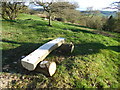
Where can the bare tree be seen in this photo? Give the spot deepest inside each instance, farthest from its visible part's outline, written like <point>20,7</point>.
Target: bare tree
<point>55,7</point>
<point>60,9</point>
<point>10,10</point>
<point>47,8</point>
<point>114,5</point>
<point>117,5</point>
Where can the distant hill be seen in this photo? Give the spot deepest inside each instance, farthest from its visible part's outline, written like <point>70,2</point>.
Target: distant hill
<point>104,13</point>
<point>108,13</point>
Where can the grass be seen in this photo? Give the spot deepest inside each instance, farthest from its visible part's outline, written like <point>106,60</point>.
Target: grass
<point>94,62</point>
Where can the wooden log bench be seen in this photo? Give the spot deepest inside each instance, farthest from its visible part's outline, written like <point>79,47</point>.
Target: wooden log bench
<point>30,62</point>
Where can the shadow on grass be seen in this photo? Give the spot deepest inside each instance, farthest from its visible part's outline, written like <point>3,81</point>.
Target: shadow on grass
<point>88,48</point>
<point>92,48</point>
<point>27,23</point>
<point>114,48</point>
<point>95,31</point>
<point>31,23</point>
<point>80,30</point>
<point>9,20</point>
<point>77,25</point>
<point>36,24</point>
<point>12,56</point>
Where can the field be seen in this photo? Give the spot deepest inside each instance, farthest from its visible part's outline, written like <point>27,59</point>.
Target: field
<point>94,63</point>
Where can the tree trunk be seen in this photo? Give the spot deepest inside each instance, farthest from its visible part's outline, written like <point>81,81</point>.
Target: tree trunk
<point>49,18</point>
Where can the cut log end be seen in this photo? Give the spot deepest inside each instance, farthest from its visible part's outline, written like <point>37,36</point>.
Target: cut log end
<point>28,66</point>
<point>52,68</point>
<point>46,67</point>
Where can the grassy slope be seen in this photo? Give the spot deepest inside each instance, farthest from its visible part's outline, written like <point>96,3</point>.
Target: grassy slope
<point>94,62</point>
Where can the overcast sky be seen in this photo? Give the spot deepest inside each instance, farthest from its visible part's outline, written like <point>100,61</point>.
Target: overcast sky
<point>96,4</point>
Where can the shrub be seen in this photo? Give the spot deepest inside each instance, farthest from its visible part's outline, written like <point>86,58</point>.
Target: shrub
<point>117,23</point>
<point>110,24</point>
<point>95,22</point>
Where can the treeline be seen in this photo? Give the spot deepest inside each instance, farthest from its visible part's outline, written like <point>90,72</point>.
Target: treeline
<point>65,12</point>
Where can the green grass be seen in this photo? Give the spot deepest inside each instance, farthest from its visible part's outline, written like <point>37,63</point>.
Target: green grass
<point>94,62</point>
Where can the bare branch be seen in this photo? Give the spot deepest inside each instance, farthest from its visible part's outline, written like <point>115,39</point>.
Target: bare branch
<point>11,10</point>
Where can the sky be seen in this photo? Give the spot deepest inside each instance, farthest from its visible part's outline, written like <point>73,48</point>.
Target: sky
<point>96,4</point>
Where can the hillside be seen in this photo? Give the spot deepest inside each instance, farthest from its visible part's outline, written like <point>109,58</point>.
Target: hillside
<point>94,62</point>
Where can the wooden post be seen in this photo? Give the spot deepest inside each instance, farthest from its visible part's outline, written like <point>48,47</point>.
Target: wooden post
<point>30,62</point>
